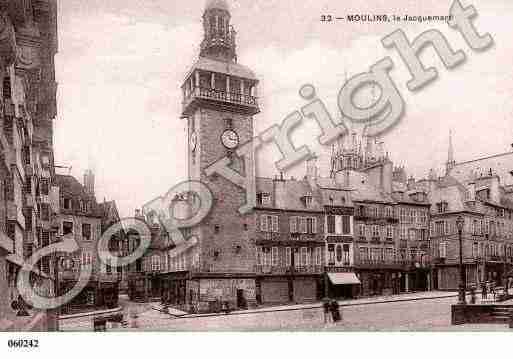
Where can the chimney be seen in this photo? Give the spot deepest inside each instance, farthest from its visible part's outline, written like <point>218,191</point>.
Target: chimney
<point>411,183</point>
<point>89,182</point>
<point>311,168</point>
<point>472,191</point>
<point>279,195</point>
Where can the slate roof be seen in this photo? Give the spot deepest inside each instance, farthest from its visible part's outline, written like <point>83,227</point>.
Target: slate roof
<point>70,187</point>
<point>223,67</point>
<point>295,189</point>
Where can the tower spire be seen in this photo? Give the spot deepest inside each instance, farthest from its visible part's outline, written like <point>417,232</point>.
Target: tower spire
<point>219,40</point>
<point>450,156</point>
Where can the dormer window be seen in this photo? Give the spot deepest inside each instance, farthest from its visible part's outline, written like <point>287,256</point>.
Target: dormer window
<point>67,203</point>
<point>442,207</point>
<point>307,201</point>
<point>263,199</point>
<point>483,194</point>
<point>419,197</point>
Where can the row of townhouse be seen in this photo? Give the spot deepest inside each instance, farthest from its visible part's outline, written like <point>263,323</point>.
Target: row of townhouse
<point>322,236</point>
<point>304,239</point>
<point>356,236</point>
<point>364,229</point>
<point>28,44</point>
<point>486,208</point>
<point>309,238</point>
<point>85,220</point>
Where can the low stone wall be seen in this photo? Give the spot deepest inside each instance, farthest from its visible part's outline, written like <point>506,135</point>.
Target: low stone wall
<point>477,314</point>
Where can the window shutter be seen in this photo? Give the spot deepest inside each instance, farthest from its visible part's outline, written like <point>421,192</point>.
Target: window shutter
<point>314,225</point>
<point>274,256</point>
<point>293,224</point>
<point>263,223</point>
<point>302,225</point>
<point>275,224</point>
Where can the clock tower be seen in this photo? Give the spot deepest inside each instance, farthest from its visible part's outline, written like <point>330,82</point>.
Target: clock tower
<point>219,102</point>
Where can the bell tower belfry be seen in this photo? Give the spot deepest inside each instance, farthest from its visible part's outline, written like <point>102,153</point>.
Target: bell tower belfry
<point>219,41</point>
<point>219,102</point>
<point>219,94</point>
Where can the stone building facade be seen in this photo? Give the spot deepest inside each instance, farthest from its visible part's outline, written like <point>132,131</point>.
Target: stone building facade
<point>478,191</point>
<point>305,238</point>
<point>28,44</point>
<point>289,240</point>
<point>82,218</point>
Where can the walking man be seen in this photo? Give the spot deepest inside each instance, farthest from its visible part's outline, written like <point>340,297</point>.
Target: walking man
<point>483,290</point>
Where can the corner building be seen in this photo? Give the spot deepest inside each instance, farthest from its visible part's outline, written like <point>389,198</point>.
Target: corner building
<point>29,198</point>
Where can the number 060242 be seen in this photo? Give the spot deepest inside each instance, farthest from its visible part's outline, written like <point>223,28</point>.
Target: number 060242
<point>23,343</point>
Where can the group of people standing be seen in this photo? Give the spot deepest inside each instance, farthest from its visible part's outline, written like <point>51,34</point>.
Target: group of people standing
<point>487,288</point>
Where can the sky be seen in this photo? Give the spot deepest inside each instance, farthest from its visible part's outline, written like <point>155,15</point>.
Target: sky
<point>121,63</point>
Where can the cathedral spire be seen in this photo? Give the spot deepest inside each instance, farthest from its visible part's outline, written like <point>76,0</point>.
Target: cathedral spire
<point>450,156</point>
<point>219,39</point>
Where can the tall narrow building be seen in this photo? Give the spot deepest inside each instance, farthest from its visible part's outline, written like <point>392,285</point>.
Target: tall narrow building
<point>219,104</point>
<point>29,201</point>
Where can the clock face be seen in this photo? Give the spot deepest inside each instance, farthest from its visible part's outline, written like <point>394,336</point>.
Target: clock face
<point>230,139</point>
<point>193,141</point>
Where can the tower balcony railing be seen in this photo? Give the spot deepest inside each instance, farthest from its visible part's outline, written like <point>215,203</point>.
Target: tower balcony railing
<point>221,95</point>
<point>246,102</point>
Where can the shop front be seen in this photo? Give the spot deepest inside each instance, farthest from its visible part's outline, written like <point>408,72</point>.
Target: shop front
<point>343,285</point>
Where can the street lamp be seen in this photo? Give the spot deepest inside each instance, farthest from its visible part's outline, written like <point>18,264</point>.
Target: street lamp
<point>460,222</point>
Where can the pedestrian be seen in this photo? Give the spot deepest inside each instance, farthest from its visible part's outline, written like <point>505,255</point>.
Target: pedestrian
<point>484,291</point>
<point>326,309</point>
<point>335,311</point>
<point>492,289</point>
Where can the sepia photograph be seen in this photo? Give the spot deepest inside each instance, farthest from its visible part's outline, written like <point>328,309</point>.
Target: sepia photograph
<point>254,166</point>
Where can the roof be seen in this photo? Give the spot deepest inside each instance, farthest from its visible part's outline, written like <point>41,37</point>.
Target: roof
<point>501,164</point>
<point>336,197</point>
<point>364,192</point>
<point>223,67</point>
<point>106,207</point>
<point>294,191</point>
<point>217,4</point>
<point>109,212</point>
<point>405,197</point>
<point>359,191</point>
<point>70,187</point>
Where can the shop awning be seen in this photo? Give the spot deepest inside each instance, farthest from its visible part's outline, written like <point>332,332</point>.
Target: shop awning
<point>343,278</point>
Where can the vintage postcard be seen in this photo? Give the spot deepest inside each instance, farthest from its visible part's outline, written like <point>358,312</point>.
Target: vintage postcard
<point>255,165</point>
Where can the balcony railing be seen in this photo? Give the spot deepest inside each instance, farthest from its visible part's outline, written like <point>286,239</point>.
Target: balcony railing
<point>311,269</point>
<point>220,95</point>
<point>269,236</point>
<point>303,236</point>
<point>385,263</point>
<point>367,215</point>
